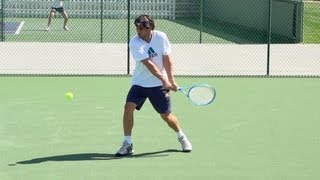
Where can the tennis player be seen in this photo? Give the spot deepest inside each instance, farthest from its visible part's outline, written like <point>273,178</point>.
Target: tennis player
<point>57,6</point>
<point>153,73</point>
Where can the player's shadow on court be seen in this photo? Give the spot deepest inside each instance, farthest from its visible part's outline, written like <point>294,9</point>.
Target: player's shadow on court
<point>95,156</point>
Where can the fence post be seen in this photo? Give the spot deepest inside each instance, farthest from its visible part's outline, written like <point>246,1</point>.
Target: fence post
<point>101,21</point>
<point>201,20</point>
<point>2,21</point>
<point>128,37</point>
<point>269,36</point>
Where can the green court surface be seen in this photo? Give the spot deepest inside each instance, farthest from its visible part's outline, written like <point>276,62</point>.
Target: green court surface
<point>257,128</point>
<point>113,31</point>
<point>179,31</point>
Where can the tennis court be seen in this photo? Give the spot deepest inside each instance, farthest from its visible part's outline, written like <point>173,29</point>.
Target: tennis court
<point>86,25</point>
<point>113,30</point>
<point>12,27</point>
<point>257,128</point>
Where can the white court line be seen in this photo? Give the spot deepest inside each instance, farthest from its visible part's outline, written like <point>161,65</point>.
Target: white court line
<point>19,28</point>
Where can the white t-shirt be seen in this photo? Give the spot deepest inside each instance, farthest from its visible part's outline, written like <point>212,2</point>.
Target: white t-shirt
<point>57,3</point>
<point>140,50</point>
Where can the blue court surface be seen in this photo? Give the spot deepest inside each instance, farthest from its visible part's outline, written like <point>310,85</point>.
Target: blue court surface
<point>12,27</point>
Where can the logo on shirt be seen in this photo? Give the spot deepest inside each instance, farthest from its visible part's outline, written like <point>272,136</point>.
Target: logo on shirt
<point>152,53</point>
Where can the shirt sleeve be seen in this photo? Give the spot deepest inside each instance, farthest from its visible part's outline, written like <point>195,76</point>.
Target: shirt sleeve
<point>139,51</point>
<point>166,45</point>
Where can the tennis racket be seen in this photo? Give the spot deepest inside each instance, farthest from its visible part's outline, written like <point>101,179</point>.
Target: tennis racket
<point>199,94</point>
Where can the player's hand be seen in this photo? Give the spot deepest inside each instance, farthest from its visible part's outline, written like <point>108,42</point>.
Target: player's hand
<point>166,85</point>
<point>174,87</point>
<point>169,86</point>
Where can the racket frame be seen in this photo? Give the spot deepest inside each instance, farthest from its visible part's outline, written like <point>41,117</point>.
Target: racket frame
<point>186,90</point>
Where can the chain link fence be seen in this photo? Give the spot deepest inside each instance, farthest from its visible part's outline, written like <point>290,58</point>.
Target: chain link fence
<point>209,37</point>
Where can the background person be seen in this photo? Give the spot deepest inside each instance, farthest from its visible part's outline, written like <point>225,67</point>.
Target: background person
<point>57,6</point>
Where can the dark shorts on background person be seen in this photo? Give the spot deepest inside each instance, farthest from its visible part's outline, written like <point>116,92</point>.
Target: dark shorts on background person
<point>159,98</point>
<point>58,9</point>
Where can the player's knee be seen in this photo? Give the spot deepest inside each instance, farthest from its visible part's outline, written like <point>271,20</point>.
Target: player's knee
<point>129,107</point>
<point>166,116</point>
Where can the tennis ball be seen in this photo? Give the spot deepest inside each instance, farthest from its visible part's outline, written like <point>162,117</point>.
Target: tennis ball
<point>69,95</point>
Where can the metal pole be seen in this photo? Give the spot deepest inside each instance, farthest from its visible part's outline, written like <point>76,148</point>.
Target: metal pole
<point>101,21</point>
<point>128,38</point>
<point>269,36</point>
<point>201,20</point>
<point>2,21</point>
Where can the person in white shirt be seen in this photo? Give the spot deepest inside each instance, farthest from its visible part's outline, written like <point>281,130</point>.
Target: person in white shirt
<point>152,79</point>
<point>57,6</point>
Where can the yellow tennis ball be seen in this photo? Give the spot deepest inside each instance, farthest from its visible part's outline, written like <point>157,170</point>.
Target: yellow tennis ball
<point>69,95</point>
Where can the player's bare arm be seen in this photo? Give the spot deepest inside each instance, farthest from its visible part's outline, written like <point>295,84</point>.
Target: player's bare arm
<point>156,72</point>
<point>168,66</point>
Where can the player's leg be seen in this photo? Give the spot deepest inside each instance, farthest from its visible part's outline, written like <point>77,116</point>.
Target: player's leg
<point>65,20</point>
<point>127,146</point>
<point>171,120</point>
<point>161,102</point>
<point>135,100</point>
<point>51,14</point>
<point>128,120</point>
<point>174,124</point>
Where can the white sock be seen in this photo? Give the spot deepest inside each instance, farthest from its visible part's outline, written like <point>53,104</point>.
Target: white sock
<point>128,139</point>
<point>180,133</point>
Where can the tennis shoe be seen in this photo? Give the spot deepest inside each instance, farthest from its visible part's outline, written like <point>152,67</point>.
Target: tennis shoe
<point>185,143</point>
<point>126,149</point>
<point>48,28</point>
<point>66,28</point>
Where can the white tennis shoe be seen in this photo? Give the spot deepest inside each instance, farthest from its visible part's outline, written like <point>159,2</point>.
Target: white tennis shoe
<point>185,143</point>
<point>125,149</point>
<point>66,28</point>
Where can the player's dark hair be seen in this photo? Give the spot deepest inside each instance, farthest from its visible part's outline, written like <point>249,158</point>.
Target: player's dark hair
<point>144,21</point>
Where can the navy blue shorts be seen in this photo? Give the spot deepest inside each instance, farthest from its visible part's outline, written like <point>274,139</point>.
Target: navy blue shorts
<point>59,9</point>
<point>159,98</point>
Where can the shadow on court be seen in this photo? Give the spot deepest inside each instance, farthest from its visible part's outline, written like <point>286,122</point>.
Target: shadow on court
<point>95,156</point>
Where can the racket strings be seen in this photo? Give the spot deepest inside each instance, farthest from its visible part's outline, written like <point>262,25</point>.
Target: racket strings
<point>201,95</point>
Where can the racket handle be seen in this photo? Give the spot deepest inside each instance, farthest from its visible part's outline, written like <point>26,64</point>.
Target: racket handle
<point>165,89</point>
